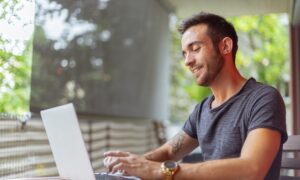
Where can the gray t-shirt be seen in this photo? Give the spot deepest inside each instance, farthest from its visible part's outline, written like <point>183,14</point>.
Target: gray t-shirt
<point>222,131</point>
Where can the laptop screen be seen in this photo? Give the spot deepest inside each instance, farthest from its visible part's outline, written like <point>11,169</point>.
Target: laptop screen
<point>67,145</point>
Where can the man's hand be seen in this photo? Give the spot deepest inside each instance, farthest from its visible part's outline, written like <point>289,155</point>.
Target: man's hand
<point>112,158</point>
<point>131,164</point>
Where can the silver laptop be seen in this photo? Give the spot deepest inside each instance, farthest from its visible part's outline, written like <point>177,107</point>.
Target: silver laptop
<point>68,148</point>
<point>67,145</point>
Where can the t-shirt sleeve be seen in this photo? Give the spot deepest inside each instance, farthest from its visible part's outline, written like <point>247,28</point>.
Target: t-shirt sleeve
<point>268,111</point>
<point>190,126</point>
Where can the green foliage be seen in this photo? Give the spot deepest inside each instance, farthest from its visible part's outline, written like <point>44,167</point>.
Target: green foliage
<point>262,54</point>
<point>14,66</point>
<point>15,81</point>
<point>264,48</point>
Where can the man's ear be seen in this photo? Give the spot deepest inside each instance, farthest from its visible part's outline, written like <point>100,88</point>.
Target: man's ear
<point>226,45</point>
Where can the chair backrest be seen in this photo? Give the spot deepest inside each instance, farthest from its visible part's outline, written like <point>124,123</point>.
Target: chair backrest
<point>292,145</point>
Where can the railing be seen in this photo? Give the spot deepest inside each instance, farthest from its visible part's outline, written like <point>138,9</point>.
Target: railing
<point>25,151</point>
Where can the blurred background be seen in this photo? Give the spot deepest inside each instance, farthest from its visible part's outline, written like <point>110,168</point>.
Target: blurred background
<point>120,63</point>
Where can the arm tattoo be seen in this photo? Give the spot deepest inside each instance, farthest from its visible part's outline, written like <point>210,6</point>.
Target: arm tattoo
<point>177,142</point>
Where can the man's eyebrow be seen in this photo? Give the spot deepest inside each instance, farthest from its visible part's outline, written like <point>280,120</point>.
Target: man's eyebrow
<point>195,42</point>
<point>191,44</point>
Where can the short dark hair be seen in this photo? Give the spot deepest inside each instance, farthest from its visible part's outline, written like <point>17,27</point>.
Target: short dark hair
<point>217,28</point>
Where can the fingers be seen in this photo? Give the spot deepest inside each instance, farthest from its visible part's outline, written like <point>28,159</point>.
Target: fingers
<point>112,158</point>
<point>118,167</point>
<point>131,164</point>
<point>118,161</point>
<point>109,162</point>
<point>116,153</point>
<point>123,167</point>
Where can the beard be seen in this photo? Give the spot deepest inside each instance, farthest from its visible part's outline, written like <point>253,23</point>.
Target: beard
<point>213,68</point>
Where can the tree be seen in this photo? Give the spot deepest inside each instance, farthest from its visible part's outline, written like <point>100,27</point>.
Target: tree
<point>264,48</point>
<point>15,61</point>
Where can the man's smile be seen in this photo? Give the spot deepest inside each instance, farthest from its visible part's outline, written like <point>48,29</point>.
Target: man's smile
<point>196,70</point>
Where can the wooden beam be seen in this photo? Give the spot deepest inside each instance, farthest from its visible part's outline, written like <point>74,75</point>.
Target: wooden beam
<point>295,77</point>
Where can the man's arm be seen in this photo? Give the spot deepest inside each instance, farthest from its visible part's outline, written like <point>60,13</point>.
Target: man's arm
<point>257,155</point>
<point>175,149</point>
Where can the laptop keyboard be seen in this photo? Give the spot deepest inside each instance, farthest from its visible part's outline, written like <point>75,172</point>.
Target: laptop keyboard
<point>107,176</point>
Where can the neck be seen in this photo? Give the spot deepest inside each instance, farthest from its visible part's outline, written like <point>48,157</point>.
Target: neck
<point>228,82</point>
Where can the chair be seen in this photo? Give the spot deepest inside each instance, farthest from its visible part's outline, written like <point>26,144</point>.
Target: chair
<point>292,145</point>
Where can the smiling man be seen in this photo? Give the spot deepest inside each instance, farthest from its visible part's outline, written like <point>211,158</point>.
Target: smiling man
<point>240,127</point>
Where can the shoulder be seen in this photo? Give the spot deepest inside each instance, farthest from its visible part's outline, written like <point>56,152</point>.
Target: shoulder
<point>198,108</point>
<point>261,99</point>
<point>266,109</point>
<point>204,102</point>
<point>258,91</point>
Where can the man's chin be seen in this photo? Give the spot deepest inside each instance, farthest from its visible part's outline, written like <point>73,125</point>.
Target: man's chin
<point>202,83</point>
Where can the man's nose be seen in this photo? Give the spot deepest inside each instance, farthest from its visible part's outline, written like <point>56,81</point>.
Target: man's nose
<point>189,59</point>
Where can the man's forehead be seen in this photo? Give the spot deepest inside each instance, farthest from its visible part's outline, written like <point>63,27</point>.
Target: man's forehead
<point>194,33</point>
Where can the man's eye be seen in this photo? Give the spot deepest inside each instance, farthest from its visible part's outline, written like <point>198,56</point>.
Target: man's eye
<point>197,49</point>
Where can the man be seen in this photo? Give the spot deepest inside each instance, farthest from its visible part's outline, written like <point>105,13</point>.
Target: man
<point>240,127</point>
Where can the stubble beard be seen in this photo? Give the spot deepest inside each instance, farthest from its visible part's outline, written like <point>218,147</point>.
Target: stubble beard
<point>212,71</point>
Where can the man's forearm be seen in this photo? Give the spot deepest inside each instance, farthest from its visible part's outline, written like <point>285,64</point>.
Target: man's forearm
<point>159,155</point>
<point>257,156</point>
<point>235,168</point>
<point>177,147</point>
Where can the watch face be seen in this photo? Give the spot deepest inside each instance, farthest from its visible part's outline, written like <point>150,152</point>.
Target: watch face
<point>170,164</point>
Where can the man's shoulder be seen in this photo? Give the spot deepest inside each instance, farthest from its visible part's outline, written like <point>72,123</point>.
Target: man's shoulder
<point>257,89</point>
<point>203,102</point>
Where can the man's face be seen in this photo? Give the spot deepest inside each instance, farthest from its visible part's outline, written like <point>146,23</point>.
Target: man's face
<point>203,60</point>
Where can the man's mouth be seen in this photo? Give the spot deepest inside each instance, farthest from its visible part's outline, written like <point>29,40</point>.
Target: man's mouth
<point>196,70</point>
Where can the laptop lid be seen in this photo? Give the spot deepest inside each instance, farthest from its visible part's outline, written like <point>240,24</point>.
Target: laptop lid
<point>66,142</point>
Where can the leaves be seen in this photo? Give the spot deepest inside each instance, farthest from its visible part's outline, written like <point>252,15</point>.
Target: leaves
<point>268,52</point>
<point>15,66</point>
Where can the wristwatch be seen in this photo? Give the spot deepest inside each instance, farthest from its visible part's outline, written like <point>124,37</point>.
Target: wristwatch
<point>168,169</point>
